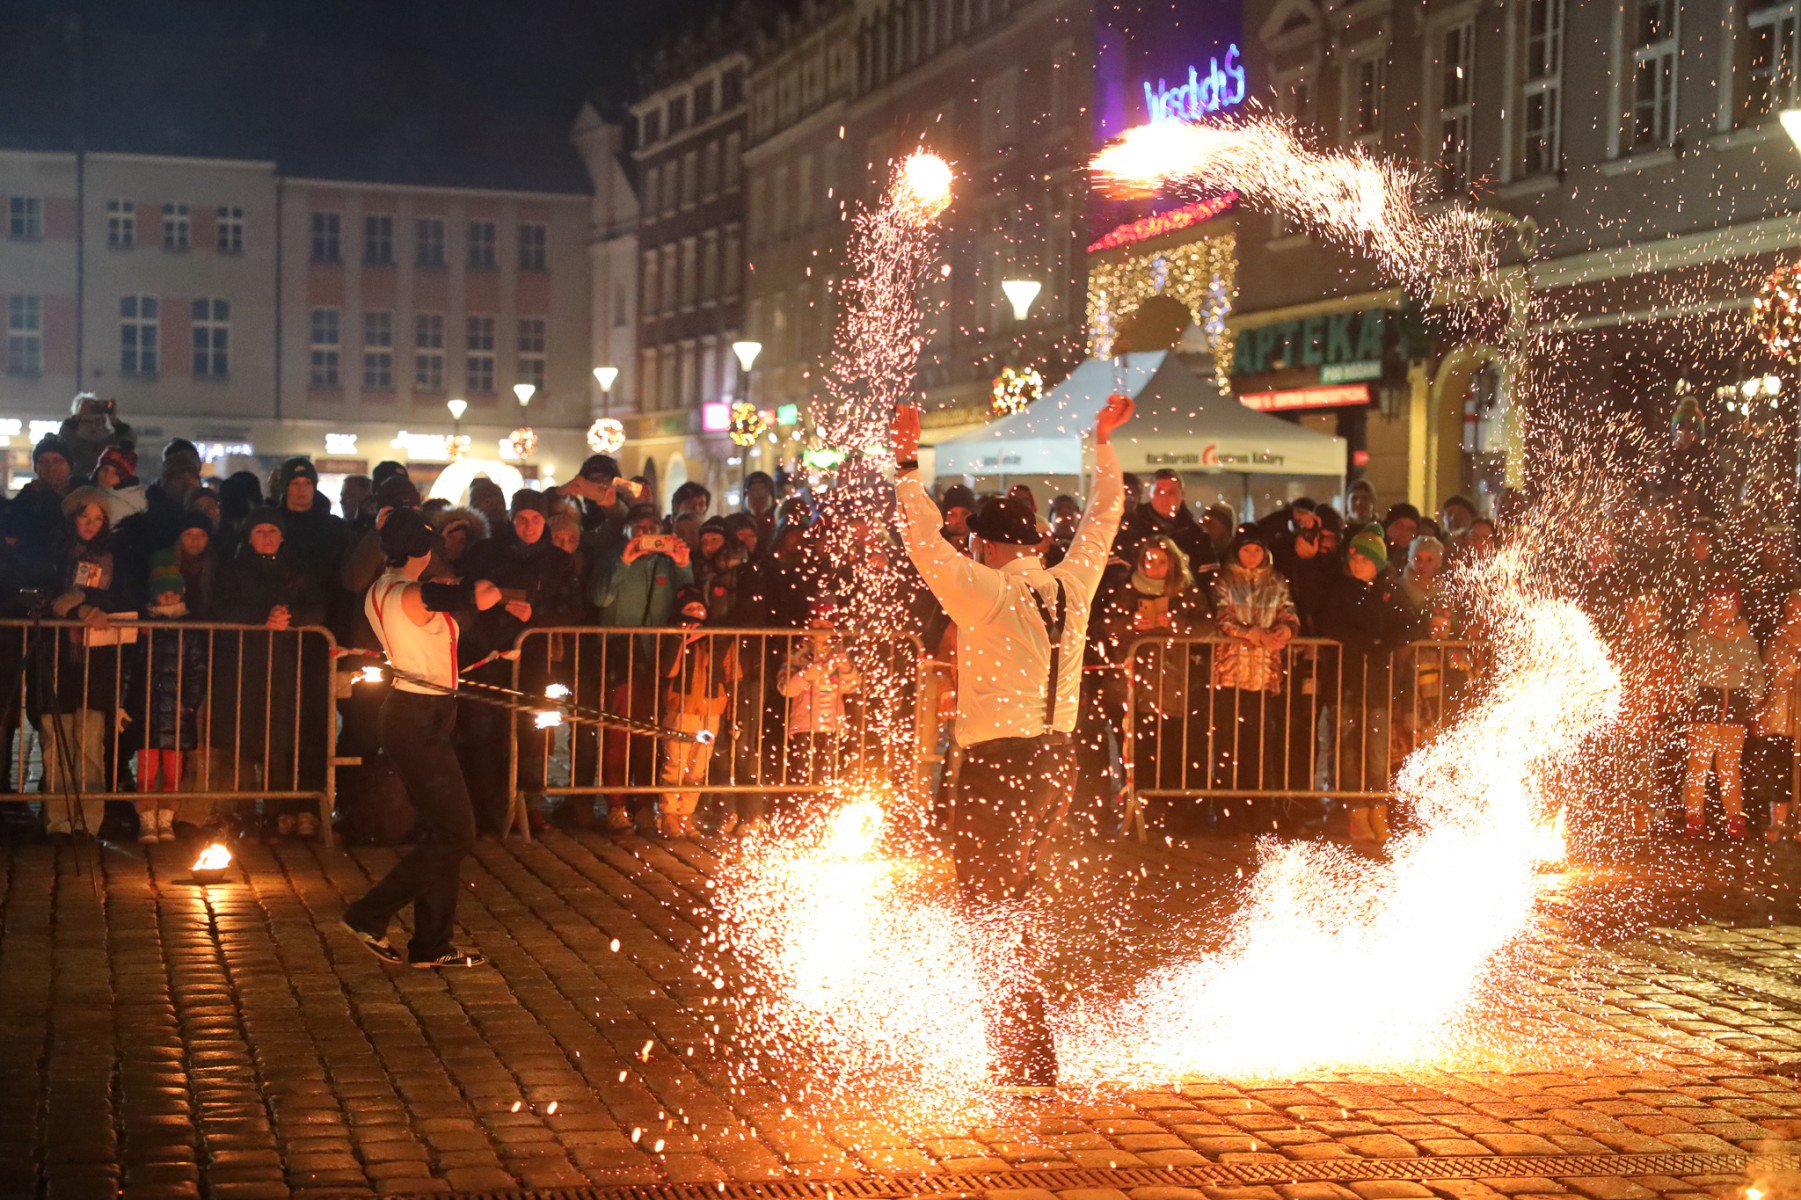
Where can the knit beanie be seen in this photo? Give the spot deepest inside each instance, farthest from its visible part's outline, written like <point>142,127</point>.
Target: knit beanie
<point>1370,543</point>
<point>528,500</point>
<point>165,576</point>
<point>958,496</point>
<point>52,443</point>
<point>120,459</point>
<point>298,467</point>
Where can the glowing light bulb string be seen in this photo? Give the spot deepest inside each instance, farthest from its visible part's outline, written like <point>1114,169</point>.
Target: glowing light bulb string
<point>524,702</point>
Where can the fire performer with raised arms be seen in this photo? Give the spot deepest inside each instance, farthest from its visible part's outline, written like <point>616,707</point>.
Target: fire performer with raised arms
<point>1020,632</point>
<point>418,634</point>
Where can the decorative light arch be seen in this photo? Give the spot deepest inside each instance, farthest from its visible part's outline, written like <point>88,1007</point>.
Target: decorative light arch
<point>455,479</point>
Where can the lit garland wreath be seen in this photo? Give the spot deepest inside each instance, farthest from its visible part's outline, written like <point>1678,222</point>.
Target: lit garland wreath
<point>1776,313</point>
<point>606,435</point>
<point>748,425</point>
<point>1013,390</point>
<point>523,441</point>
<point>458,444</point>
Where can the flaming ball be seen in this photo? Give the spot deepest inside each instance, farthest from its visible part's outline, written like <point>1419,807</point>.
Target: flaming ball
<point>922,187</point>
<point>1776,313</point>
<point>213,864</point>
<point>606,436</point>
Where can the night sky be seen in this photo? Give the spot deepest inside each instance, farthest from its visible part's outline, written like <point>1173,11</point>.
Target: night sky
<point>477,92</point>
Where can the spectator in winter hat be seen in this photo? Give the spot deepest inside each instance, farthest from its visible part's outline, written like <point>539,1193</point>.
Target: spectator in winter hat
<point>315,538</point>
<point>958,506</point>
<point>117,475</point>
<point>93,425</point>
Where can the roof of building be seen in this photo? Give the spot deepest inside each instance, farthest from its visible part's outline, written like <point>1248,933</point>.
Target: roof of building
<point>390,112</point>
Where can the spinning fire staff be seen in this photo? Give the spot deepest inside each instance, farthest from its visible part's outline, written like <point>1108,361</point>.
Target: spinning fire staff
<point>413,622</point>
<point>1020,633</point>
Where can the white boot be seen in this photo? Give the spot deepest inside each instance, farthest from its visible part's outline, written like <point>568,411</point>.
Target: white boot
<point>165,824</point>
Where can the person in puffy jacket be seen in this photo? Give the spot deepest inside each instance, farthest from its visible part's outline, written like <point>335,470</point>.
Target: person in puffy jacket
<point>166,695</point>
<point>1256,618</point>
<point>814,681</point>
<point>697,681</point>
<point>1725,678</point>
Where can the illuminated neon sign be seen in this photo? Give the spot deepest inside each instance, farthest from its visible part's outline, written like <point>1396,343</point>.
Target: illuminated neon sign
<point>1223,86</point>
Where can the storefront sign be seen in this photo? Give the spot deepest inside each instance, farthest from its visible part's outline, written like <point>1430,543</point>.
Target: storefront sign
<point>340,443</point>
<point>1325,340</point>
<point>1339,396</point>
<point>787,414</point>
<point>1354,372</point>
<point>434,447</point>
<point>715,417</point>
<point>1221,86</point>
<point>341,466</point>
<point>1210,458</point>
<point>212,452</point>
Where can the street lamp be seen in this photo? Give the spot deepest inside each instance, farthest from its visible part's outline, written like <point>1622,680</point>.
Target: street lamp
<point>457,408</point>
<point>525,392</point>
<point>1791,123</point>
<point>1020,294</point>
<point>605,435</point>
<point>605,377</point>
<point>747,352</point>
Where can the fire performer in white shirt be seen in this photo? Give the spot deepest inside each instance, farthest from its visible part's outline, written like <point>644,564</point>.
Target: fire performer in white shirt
<point>1020,632</point>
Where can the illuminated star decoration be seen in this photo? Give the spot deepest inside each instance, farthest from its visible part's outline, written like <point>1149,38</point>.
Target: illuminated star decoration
<point>1776,313</point>
<point>606,436</point>
<point>748,425</point>
<point>1013,390</point>
<point>523,441</point>
<point>457,445</point>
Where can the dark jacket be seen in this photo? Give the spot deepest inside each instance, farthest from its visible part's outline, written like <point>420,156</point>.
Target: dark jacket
<point>255,673</point>
<point>168,687</point>
<point>1182,529</point>
<point>1369,623</point>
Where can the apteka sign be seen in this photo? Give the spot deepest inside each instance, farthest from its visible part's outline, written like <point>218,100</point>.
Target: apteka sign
<point>1223,86</point>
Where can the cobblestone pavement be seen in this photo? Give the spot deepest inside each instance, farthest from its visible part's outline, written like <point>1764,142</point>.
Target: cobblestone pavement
<point>161,1039</point>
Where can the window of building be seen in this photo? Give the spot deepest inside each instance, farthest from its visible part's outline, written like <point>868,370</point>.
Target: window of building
<point>689,271</point>
<point>1651,112</point>
<point>177,229</point>
<point>1456,64</point>
<point>688,386</point>
<point>653,291</point>
<point>678,115</point>
<point>327,338</point>
<point>1365,78</point>
<point>534,247</point>
<point>671,280</point>
<point>647,374</point>
<point>689,176</point>
<point>703,101</point>
<point>121,224</point>
<point>378,350</point>
<point>428,241</point>
<point>25,335</point>
<point>650,128</point>
<point>732,261</point>
<point>1541,89</point>
<point>531,351</point>
<point>212,338</point>
<point>428,352</point>
<point>479,363</point>
<point>733,165</point>
<point>732,90</point>
<point>231,229</point>
<point>139,319</point>
<point>378,241</point>
<point>709,170</point>
<point>709,268</point>
<point>24,218</point>
<point>326,229</point>
<point>481,245</point>
<point>1770,41</point>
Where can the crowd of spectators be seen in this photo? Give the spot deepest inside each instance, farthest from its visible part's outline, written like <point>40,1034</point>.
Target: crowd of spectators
<point>1295,661</point>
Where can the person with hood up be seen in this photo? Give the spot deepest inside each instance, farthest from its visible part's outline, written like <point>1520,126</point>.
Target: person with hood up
<point>257,717</point>
<point>1725,677</point>
<point>1256,615</point>
<point>77,697</point>
<point>1362,614</point>
<point>459,531</point>
<point>116,474</point>
<point>1166,515</point>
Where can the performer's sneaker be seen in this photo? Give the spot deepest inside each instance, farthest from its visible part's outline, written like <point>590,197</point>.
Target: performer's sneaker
<point>378,946</point>
<point>452,958</point>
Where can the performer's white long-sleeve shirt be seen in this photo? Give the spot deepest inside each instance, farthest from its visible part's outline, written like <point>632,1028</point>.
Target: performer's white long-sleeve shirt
<point>1003,655</point>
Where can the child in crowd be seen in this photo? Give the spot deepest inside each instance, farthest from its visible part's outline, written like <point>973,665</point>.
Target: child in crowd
<point>171,688</point>
<point>1725,677</point>
<point>696,685</point>
<point>815,680</point>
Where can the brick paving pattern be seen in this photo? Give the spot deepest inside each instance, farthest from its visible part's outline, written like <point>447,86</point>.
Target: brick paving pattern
<point>163,1040</point>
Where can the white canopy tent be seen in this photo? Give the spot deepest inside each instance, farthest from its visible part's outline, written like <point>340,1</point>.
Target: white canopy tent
<point>1182,423</point>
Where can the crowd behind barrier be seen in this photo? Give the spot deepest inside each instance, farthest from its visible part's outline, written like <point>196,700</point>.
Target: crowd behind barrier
<point>186,644</point>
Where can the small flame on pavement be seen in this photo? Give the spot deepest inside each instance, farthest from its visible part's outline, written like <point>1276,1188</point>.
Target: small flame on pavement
<point>216,857</point>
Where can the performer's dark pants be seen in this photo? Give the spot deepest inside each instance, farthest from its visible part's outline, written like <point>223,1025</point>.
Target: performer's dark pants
<point>416,737</point>
<point>1008,806</point>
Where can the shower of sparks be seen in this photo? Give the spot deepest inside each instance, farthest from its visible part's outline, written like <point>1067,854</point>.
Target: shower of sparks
<point>1399,951</point>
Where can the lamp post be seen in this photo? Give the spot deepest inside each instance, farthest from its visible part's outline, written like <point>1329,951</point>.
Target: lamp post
<point>1020,294</point>
<point>525,392</point>
<point>605,435</point>
<point>746,352</point>
<point>457,408</point>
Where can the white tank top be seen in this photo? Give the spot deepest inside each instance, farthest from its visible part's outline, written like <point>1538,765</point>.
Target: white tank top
<point>428,651</point>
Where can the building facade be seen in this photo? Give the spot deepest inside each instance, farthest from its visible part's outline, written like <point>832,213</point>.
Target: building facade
<point>267,316</point>
<point>689,154</point>
<point>1634,152</point>
<point>844,88</point>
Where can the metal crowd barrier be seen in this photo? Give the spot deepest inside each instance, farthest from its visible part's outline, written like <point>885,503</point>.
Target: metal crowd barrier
<point>793,712</point>
<point>1211,718</point>
<point>238,713</point>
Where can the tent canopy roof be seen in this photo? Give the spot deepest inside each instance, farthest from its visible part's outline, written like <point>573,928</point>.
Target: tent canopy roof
<point>1182,423</point>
